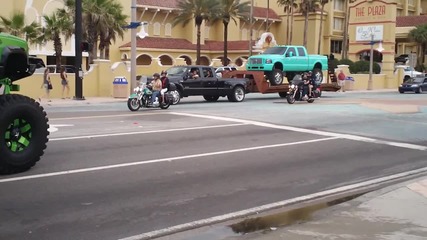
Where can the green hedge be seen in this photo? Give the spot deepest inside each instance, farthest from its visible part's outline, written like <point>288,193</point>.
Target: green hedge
<point>363,67</point>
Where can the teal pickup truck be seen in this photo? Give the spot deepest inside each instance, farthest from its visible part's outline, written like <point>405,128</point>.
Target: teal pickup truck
<point>287,61</point>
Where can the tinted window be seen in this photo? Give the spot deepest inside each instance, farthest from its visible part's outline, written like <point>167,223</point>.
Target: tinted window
<point>301,52</point>
<point>176,70</point>
<point>415,80</point>
<point>275,50</point>
<point>292,50</point>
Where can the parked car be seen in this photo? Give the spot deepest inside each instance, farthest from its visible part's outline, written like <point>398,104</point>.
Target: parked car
<point>416,84</point>
<point>403,58</point>
<point>52,69</point>
<point>410,72</point>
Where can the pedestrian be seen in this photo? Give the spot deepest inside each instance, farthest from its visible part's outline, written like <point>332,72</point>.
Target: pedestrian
<point>341,81</point>
<point>64,82</point>
<point>46,85</point>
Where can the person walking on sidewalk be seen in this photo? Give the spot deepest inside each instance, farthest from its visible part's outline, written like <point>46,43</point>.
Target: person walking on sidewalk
<point>341,81</point>
<point>64,82</point>
<point>46,85</point>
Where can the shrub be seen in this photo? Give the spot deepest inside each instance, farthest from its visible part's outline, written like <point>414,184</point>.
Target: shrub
<point>363,67</point>
<point>334,63</point>
<point>346,62</point>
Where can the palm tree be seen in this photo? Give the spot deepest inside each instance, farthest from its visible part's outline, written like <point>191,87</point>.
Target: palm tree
<point>419,35</point>
<point>289,6</point>
<point>307,6</point>
<point>58,24</point>
<point>231,10</point>
<point>322,3</point>
<point>15,25</point>
<point>114,27</point>
<point>199,10</point>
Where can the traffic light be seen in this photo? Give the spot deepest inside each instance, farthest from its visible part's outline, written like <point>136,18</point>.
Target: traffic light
<point>85,46</point>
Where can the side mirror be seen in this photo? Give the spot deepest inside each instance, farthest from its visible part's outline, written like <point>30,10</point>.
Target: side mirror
<point>287,55</point>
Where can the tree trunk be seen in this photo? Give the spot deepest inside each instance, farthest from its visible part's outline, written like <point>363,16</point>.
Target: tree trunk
<point>320,30</point>
<point>344,54</point>
<point>292,22</point>
<point>287,25</point>
<point>198,46</point>
<point>305,27</point>
<point>225,59</point>
<point>58,52</point>
<point>92,40</point>
<point>107,51</point>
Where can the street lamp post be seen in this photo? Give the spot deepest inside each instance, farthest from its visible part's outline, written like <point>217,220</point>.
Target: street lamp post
<point>133,47</point>
<point>78,52</point>
<point>251,26</point>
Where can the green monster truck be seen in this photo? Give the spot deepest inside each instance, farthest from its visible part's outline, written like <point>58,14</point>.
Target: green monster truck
<point>23,122</point>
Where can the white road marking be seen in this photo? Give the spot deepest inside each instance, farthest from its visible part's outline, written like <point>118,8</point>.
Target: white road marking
<point>54,127</point>
<point>169,159</point>
<point>144,132</point>
<point>310,131</point>
<point>263,208</point>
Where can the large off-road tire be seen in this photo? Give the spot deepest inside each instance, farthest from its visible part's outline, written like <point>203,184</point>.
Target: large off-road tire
<point>283,94</point>
<point>238,94</point>
<point>133,104</point>
<point>211,98</point>
<point>275,77</point>
<point>23,133</point>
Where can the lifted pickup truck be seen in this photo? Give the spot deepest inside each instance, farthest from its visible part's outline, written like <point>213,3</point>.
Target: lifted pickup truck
<point>206,83</point>
<point>23,122</point>
<point>279,61</point>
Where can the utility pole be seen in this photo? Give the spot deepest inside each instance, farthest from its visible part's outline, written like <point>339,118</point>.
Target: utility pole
<point>267,26</point>
<point>78,32</point>
<point>251,27</point>
<point>133,47</point>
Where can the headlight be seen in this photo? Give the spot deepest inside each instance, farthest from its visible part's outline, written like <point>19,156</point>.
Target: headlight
<point>137,89</point>
<point>268,61</point>
<point>292,86</point>
<point>400,85</point>
<point>414,85</point>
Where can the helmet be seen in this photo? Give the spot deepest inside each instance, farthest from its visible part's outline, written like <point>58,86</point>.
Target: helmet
<point>156,75</point>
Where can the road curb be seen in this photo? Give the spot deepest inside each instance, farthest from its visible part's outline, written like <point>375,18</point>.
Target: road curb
<point>296,207</point>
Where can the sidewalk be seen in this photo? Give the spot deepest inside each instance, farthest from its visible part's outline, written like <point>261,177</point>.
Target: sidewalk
<point>396,212</point>
<point>86,101</point>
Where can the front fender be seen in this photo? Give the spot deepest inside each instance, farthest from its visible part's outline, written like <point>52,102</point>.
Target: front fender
<point>133,95</point>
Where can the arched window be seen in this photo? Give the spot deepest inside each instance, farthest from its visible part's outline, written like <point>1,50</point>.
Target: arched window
<point>166,60</point>
<point>207,31</point>
<point>168,29</point>
<point>144,59</point>
<point>204,61</point>
<point>187,59</point>
<point>244,34</point>
<point>156,29</point>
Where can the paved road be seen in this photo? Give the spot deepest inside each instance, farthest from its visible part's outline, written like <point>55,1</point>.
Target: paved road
<point>108,173</point>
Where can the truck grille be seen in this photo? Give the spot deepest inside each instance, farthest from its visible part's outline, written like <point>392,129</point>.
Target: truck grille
<point>256,60</point>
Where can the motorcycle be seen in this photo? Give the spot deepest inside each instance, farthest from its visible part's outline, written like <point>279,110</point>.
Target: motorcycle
<point>141,98</point>
<point>295,93</point>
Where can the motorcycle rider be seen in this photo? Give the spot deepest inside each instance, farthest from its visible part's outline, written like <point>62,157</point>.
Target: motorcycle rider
<point>165,83</point>
<point>156,84</point>
<point>306,85</point>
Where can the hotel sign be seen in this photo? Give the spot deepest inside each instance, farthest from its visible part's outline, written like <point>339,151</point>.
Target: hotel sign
<point>363,33</point>
<point>371,12</point>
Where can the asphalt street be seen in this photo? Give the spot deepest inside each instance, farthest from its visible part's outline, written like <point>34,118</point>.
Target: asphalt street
<point>109,173</point>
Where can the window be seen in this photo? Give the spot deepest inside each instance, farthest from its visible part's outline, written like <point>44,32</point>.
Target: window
<point>339,5</point>
<point>336,46</point>
<point>207,30</point>
<point>156,29</point>
<point>291,50</point>
<point>301,52</point>
<point>168,29</point>
<point>338,24</point>
<point>244,34</point>
<point>411,2</point>
<point>399,12</point>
